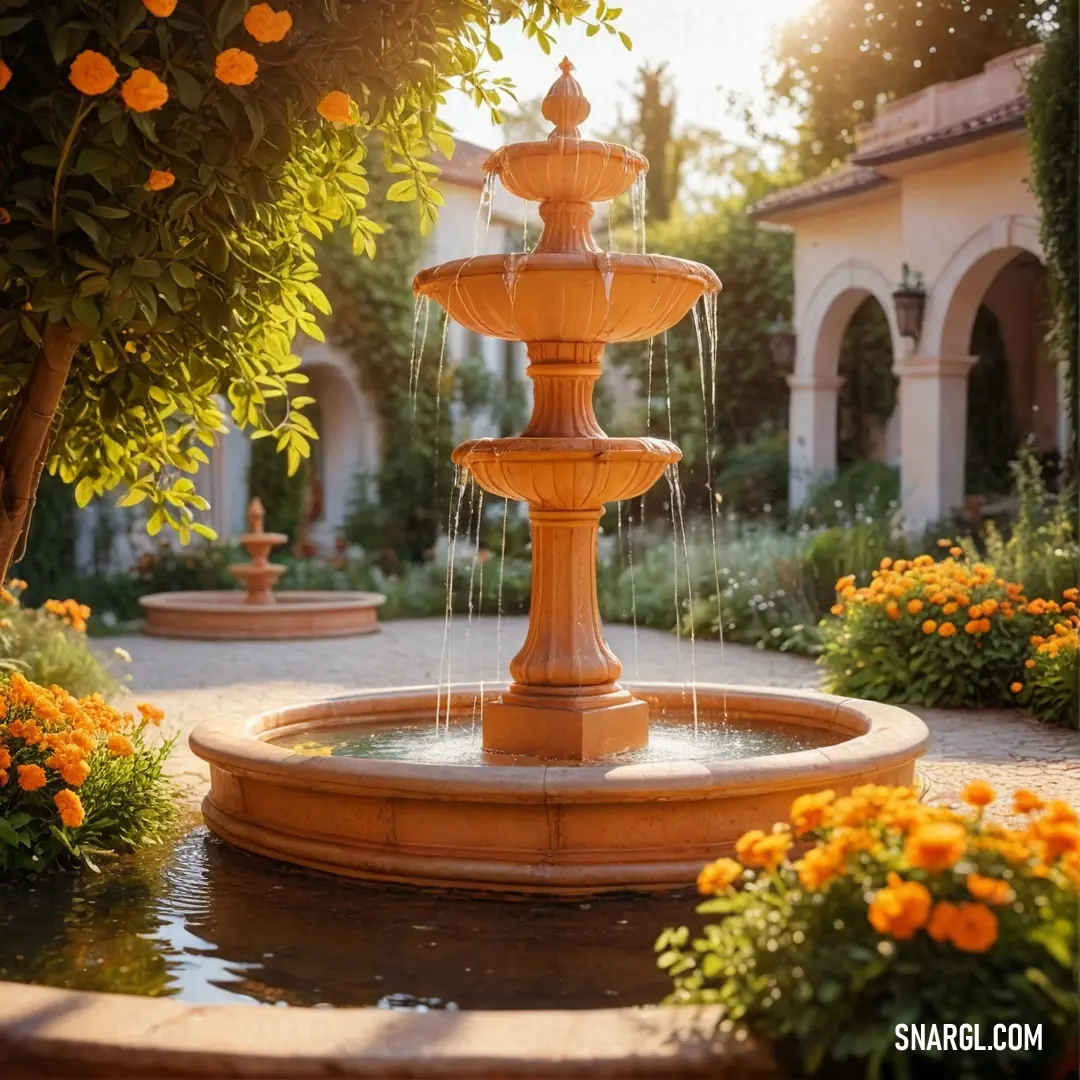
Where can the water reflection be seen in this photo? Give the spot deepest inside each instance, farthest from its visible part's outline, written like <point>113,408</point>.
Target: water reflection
<point>204,923</point>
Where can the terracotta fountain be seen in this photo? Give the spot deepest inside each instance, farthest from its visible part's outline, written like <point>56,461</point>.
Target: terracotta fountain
<point>560,791</point>
<point>258,613</point>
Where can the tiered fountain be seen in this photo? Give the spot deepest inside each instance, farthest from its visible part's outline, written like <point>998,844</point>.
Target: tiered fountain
<point>258,613</point>
<point>560,791</point>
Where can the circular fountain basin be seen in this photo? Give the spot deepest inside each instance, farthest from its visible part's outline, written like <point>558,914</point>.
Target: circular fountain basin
<point>436,811</point>
<point>222,615</point>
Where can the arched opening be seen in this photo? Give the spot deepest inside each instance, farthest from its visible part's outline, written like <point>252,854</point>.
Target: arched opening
<point>1013,387</point>
<point>868,388</point>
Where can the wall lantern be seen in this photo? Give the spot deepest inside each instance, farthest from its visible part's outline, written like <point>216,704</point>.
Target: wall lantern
<point>909,299</point>
<point>782,343</point>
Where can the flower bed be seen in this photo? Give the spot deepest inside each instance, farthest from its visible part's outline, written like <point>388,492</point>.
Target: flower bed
<point>893,913</point>
<point>78,778</point>
<point>939,633</point>
<point>49,644</point>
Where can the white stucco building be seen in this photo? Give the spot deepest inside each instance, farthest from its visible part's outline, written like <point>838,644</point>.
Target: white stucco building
<point>940,182</point>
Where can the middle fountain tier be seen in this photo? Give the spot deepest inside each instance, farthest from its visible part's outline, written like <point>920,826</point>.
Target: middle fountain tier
<point>566,299</point>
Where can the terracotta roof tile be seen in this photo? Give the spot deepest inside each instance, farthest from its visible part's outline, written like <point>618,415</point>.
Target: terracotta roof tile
<point>846,180</point>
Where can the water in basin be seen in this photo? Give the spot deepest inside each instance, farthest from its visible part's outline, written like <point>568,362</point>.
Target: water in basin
<point>672,737</point>
<point>204,923</point>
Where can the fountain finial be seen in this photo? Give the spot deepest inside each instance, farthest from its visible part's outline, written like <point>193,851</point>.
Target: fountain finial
<point>256,515</point>
<point>565,105</point>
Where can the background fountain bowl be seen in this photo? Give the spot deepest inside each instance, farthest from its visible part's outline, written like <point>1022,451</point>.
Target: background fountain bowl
<point>532,829</point>
<point>222,615</point>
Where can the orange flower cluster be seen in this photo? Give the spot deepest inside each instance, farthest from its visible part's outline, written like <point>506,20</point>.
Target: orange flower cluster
<point>1065,636</point>
<point>939,593</point>
<point>47,733</point>
<point>266,25</point>
<point>944,870</point>
<point>70,612</point>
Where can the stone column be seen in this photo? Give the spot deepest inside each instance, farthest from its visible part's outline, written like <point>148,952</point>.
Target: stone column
<point>933,436</point>
<point>812,433</point>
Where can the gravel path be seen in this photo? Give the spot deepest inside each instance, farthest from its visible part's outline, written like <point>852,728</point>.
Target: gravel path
<point>194,681</point>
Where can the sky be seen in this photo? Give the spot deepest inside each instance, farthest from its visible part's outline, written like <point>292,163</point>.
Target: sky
<point>712,47</point>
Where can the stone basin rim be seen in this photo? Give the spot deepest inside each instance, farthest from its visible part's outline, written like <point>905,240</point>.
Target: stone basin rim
<point>286,601</point>
<point>563,262</point>
<point>47,1033</point>
<point>881,737</point>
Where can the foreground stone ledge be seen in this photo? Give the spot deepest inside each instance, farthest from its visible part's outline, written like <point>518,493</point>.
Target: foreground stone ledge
<point>48,1034</point>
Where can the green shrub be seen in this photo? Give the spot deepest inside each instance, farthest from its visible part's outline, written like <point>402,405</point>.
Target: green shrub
<point>78,779</point>
<point>895,913</point>
<point>866,489</point>
<point>930,633</point>
<point>48,645</point>
<point>752,476</point>
<point>1041,549</point>
<point>283,496</point>
<point>1052,684</point>
<point>854,549</point>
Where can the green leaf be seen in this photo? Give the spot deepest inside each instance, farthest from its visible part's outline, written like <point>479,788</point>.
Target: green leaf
<point>86,312</point>
<point>182,275</point>
<point>232,11</point>
<point>132,498</point>
<point>625,39</point>
<point>84,491</point>
<point>403,190</point>
<point>188,89</point>
<point>48,156</point>
<point>8,834</point>
<point>13,23</point>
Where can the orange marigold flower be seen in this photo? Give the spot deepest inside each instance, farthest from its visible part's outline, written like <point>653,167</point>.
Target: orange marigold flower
<point>717,876</point>
<point>337,107</point>
<point>1026,802</point>
<point>1016,687</point>
<point>120,745</point>
<point>160,179</point>
<point>974,928</point>
<point>3,777</point>
<point>900,909</point>
<point>914,607</point>
<point>886,563</point>
<point>91,73</point>
<point>946,629</point>
<point>991,890</point>
<point>1029,663</point>
<point>936,846</point>
<point>5,74</point>
<point>1058,811</point>
<point>235,67</point>
<point>5,757</point>
<point>1057,838</point>
<point>836,609</point>
<point>150,712</point>
<point>807,811</point>
<point>143,91</point>
<point>956,552</point>
<point>844,582</point>
<point>70,807</point>
<point>755,848</point>
<point>944,542</point>
<point>941,921</point>
<point>265,24</point>
<point>929,626</point>
<point>984,626</point>
<point>892,610</point>
<point>978,793</point>
<point>818,867</point>
<point>161,8</point>
<point>75,773</point>
<point>31,777</point>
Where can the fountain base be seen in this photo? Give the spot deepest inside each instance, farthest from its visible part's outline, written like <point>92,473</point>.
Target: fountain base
<point>536,827</point>
<point>565,727</point>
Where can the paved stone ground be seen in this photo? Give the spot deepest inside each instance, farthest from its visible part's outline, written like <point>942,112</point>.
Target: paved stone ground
<point>194,681</point>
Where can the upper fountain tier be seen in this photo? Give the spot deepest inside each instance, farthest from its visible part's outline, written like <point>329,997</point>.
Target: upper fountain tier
<point>566,289</point>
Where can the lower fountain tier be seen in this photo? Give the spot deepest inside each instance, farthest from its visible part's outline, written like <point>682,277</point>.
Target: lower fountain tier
<point>567,296</point>
<point>224,615</point>
<point>571,473</point>
<point>529,826</point>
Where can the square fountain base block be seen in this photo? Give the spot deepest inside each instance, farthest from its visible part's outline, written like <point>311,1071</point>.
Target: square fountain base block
<point>565,732</point>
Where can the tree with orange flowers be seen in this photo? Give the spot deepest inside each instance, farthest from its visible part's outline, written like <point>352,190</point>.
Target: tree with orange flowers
<point>165,167</point>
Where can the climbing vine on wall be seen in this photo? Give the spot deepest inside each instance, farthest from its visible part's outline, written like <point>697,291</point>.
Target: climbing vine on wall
<point>1054,125</point>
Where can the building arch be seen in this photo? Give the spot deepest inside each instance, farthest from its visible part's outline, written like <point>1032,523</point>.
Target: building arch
<point>957,293</point>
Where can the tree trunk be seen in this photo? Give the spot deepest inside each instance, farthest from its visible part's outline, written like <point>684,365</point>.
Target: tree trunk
<point>25,444</point>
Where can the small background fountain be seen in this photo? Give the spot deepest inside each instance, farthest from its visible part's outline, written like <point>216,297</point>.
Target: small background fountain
<point>258,613</point>
<point>548,784</point>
